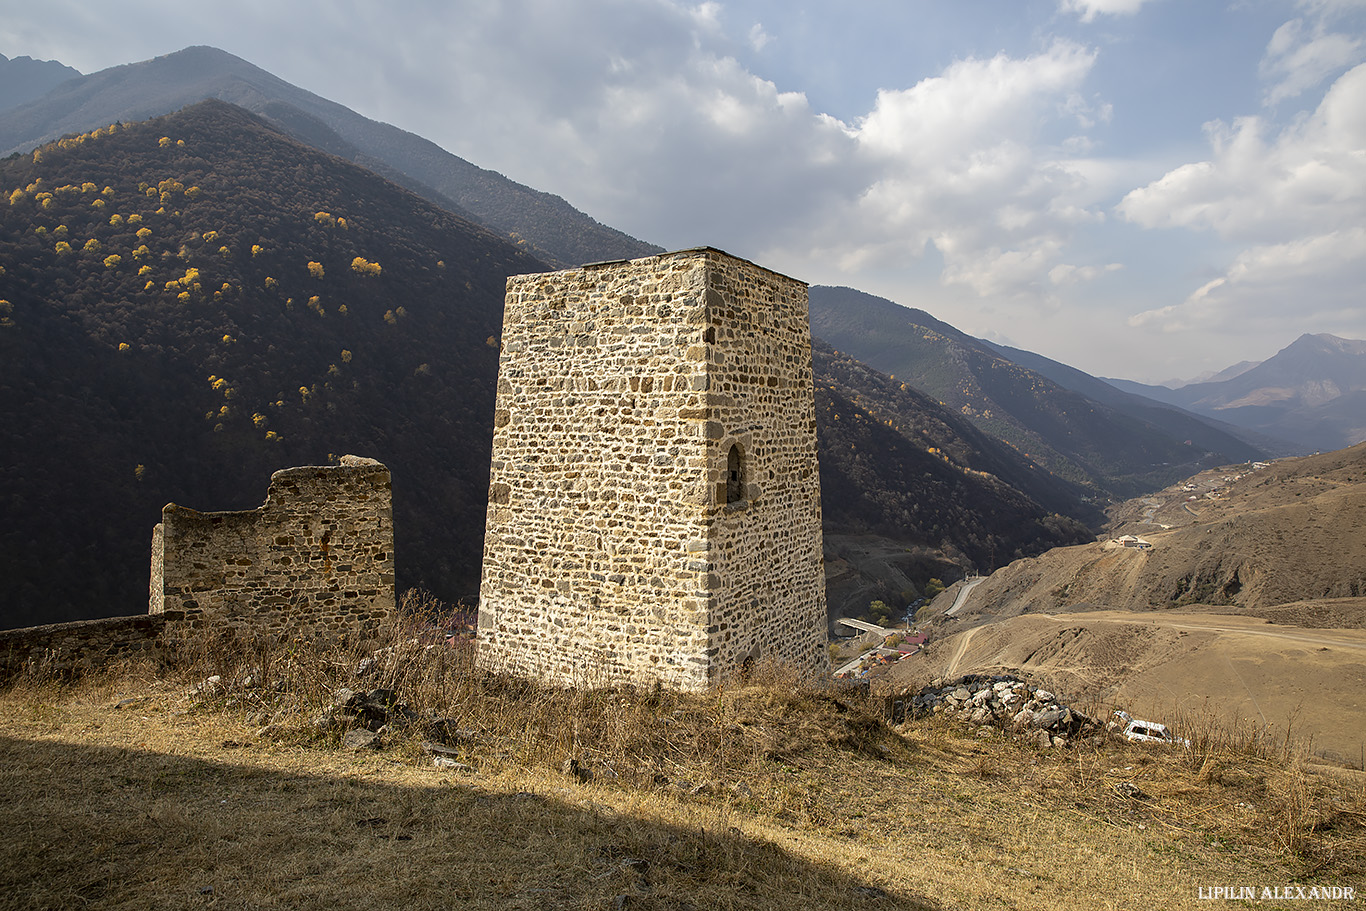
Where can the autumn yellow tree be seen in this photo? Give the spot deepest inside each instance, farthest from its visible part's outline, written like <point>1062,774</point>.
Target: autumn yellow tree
<point>362,266</point>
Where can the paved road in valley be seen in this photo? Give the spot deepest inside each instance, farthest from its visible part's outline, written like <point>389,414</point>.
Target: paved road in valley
<point>962,597</point>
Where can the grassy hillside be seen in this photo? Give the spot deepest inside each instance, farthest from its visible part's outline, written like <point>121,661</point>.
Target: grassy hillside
<point>151,791</point>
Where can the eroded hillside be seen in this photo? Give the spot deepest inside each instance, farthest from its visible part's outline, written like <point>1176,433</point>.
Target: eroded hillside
<point>1288,532</point>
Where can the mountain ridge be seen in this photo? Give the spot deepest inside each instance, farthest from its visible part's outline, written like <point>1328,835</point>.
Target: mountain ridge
<point>561,234</point>
<point>1231,442</point>
<point>23,79</point>
<point>1078,438</point>
<point>1311,394</point>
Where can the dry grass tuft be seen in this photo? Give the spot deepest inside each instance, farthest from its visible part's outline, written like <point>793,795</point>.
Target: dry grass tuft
<point>145,787</point>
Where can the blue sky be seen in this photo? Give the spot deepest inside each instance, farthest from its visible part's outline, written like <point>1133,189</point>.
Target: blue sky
<point>1141,188</point>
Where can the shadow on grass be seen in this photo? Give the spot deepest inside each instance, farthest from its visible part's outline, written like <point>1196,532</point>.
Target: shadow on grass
<point>90,826</point>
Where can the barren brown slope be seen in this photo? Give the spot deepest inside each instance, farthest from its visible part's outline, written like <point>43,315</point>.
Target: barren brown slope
<point>1291,531</point>
<point>140,791</point>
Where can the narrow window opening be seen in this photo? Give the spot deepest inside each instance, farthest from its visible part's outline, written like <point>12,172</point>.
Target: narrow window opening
<point>735,476</point>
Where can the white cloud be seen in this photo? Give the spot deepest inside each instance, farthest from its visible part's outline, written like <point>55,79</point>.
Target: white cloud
<point>1069,274</point>
<point>707,15</point>
<point>1309,178</point>
<point>958,162</point>
<point>1264,280</point>
<point>1295,201</point>
<point>758,38</point>
<point>1301,54</point>
<point>1089,9</point>
<point>672,139</point>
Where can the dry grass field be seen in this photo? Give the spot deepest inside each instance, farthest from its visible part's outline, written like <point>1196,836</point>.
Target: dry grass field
<point>1309,684</point>
<point>140,790</point>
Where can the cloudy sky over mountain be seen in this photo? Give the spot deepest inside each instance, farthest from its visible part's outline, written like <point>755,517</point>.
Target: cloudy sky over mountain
<point>1141,188</point>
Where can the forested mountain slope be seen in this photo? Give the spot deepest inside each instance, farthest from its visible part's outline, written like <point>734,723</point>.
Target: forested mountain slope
<point>194,302</point>
<point>553,229</point>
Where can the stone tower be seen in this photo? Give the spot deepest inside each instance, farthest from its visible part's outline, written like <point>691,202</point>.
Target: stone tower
<point>654,501</point>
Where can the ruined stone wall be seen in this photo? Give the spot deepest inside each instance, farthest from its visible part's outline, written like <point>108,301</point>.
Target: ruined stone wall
<point>316,559</point>
<point>611,551</point>
<point>68,649</point>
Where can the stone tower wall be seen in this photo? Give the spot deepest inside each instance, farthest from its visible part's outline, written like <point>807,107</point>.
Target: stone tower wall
<point>768,575</point>
<point>316,559</point>
<point>611,551</point>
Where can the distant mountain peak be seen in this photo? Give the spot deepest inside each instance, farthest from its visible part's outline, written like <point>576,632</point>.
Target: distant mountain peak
<point>539,223</point>
<point>23,79</point>
<point>1327,341</point>
<point>1309,393</point>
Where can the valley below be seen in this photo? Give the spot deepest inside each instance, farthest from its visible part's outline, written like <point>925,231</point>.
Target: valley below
<point>1240,597</point>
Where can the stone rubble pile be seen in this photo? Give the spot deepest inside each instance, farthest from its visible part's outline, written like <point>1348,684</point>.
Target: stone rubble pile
<point>1003,702</point>
<point>371,710</point>
<point>365,716</point>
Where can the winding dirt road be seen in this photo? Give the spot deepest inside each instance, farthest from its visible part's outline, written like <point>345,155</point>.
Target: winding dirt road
<point>963,641</point>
